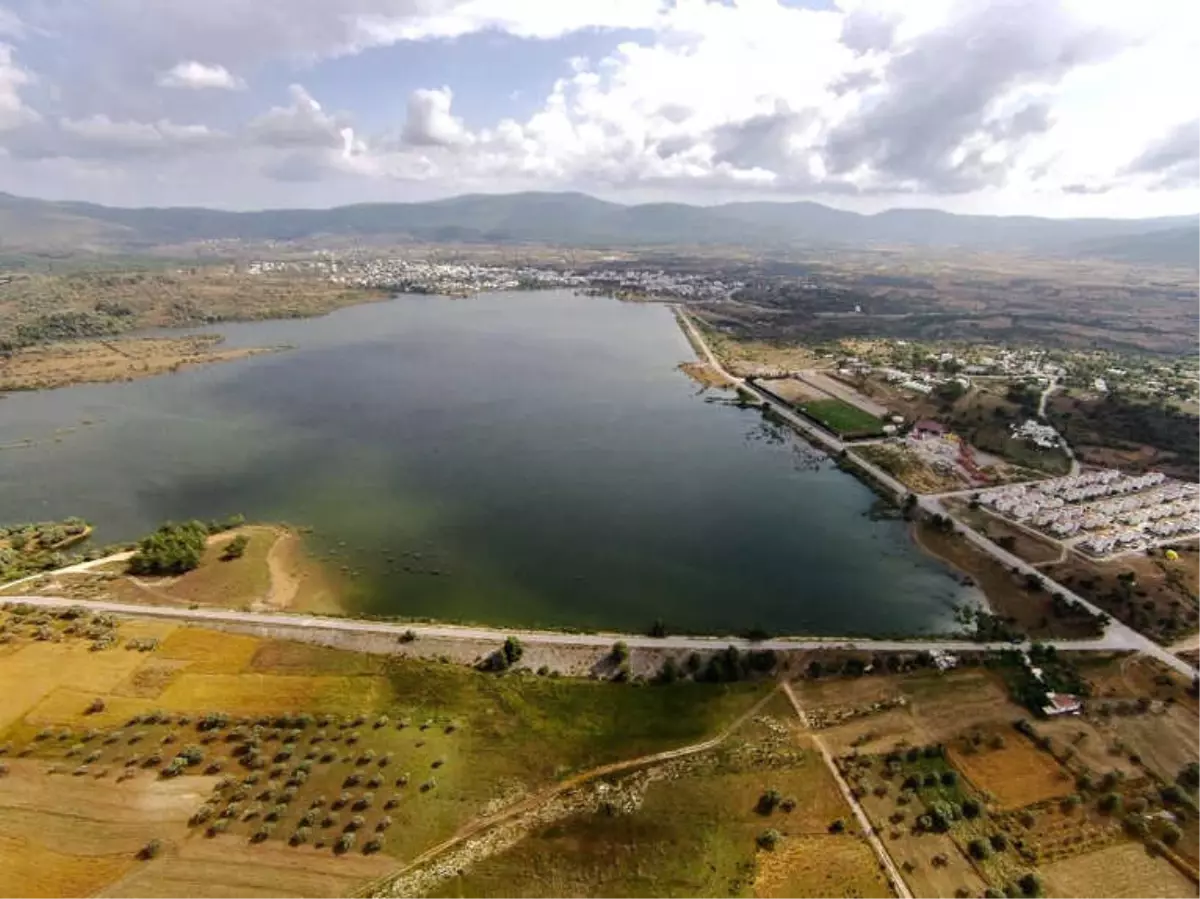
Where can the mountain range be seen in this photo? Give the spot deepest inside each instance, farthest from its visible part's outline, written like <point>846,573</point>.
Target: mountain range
<point>574,219</point>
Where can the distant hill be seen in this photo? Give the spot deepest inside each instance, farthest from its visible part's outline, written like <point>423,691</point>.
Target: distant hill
<point>1170,246</point>
<point>28,225</point>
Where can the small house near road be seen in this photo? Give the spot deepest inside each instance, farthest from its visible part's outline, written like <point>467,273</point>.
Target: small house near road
<point>1062,704</point>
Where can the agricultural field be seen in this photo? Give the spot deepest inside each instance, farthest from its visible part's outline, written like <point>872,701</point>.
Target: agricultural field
<point>1122,870</point>
<point>1012,771</point>
<point>245,766</point>
<point>149,758</point>
<point>966,802</point>
<point>842,418</point>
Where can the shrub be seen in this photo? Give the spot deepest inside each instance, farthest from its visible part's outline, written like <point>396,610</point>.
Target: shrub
<point>979,849</point>
<point>235,548</point>
<point>1171,834</point>
<point>150,850</point>
<point>768,839</point>
<point>999,842</point>
<point>970,809</point>
<point>768,802</point>
<point>837,826</point>
<point>620,652</point>
<point>1030,885</point>
<point>949,778</point>
<point>512,651</point>
<point>96,705</point>
<point>1109,803</point>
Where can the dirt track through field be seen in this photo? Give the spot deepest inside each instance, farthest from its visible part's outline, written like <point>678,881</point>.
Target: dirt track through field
<point>479,825</point>
<point>885,859</point>
<point>284,585</point>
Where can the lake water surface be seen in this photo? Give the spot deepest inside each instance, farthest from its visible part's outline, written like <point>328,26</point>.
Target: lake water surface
<point>514,458</point>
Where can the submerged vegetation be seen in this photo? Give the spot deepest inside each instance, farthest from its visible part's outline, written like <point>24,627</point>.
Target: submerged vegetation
<point>26,549</point>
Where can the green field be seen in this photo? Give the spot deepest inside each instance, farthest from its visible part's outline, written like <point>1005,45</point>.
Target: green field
<point>842,418</point>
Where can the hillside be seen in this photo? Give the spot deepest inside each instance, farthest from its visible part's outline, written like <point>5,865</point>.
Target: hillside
<point>28,225</point>
<point>1170,246</point>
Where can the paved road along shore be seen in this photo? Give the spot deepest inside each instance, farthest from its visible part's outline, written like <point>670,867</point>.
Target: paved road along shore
<point>268,620</point>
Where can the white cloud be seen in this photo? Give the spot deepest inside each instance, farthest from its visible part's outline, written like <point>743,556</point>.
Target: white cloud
<point>194,75</point>
<point>101,136</point>
<point>429,122</point>
<point>302,124</point>
<point>13,110</point>
<point>1059,106</point>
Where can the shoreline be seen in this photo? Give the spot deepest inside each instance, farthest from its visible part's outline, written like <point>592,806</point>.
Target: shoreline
<point>276,622</point>
<point>114,360</point>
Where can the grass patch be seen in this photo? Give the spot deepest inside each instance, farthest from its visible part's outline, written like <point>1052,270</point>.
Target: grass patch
<point>694,833</point>
<point>553,725</point>
<point>842,418</point>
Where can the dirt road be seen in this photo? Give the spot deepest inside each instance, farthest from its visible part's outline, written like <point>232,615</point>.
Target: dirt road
<point>885,859</point>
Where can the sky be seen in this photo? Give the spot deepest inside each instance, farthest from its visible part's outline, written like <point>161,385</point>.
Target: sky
<point>1038,107</point>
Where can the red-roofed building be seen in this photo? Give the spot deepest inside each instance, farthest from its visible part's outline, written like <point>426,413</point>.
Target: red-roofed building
<point>1062,704</point>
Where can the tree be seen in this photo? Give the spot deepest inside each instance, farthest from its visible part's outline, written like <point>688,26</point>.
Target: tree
<point>970,809</point>
<point>669,673</point>
<point>1171,834</point>
<point>658,628</point>
<point>150,850</point>
<point>979,849</point>
<point>513,650</point>
<point>837,826</point>
<point>620,652</point>
<point>172,549</point>
<point>235,548</point>
<point>1109,803</point>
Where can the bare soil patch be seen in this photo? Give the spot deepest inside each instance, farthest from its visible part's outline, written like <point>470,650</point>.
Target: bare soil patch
<point>1018,774</point>
<point>229,866</point>
<point>704,374</point>
<point>823,865</point>
<point>1122,870</point>
<point>1163,742</point>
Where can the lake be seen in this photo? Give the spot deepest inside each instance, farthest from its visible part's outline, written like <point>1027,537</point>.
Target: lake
<point>513,458</point>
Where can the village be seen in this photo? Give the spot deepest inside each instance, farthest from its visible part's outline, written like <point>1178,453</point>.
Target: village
<point>1103,512</point>
<point>460,278</point>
